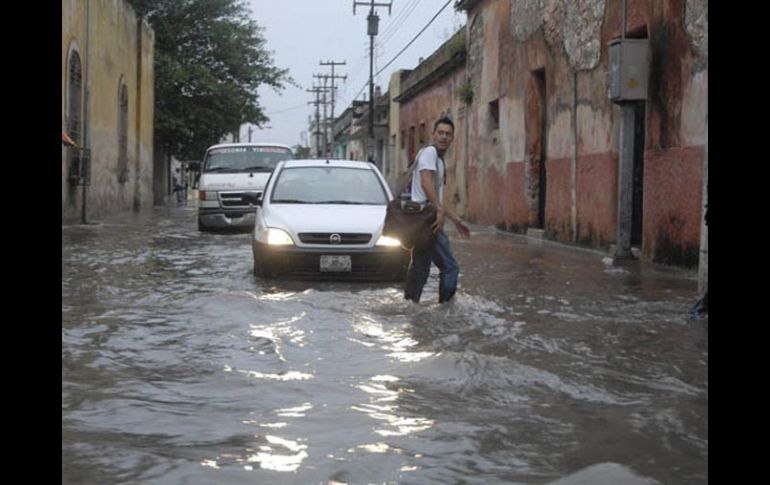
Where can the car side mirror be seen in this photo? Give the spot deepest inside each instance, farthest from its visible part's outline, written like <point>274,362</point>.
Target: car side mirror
<point>253,198</point>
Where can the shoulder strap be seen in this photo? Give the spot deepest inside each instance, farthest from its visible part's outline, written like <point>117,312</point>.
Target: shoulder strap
<point>405,179</point>
<point>436,180</point>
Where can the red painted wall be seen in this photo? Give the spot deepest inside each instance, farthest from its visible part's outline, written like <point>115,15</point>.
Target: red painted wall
<point>673,181</point>
<point>558,205</point>
<point>597,198</point>
<point>498,198</point>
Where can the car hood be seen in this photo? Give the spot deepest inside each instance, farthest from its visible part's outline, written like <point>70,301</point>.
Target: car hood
<point>233,181</point>
<point>298,218</point>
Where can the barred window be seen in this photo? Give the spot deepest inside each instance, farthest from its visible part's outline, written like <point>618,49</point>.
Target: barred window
<point>75,99</point>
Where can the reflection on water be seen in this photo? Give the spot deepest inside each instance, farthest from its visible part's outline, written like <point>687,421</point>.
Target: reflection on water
<point>378,409</point>
<point>270,458</point>
<point>178,366</point>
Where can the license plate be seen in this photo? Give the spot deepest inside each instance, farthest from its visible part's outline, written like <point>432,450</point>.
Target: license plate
<point>335,263</point>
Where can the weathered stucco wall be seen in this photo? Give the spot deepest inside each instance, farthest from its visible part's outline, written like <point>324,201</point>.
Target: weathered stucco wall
<point>567,40</point>
<point>115,49</point>
<point>673,216</point>
<point>676,129</point>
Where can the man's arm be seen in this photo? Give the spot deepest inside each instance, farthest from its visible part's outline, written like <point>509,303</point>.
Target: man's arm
<point>426,181</point>
<point>462,229</point>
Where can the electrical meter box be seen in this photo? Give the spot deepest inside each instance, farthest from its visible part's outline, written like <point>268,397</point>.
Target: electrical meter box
<point>629,69</point>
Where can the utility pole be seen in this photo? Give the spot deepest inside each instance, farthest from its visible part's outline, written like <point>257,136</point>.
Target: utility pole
<point>250,130</point>
<point>333,77</point>
<point>372,29</point>
<point>325,123</point>
<point>317,90</point>
<point>325,78</point>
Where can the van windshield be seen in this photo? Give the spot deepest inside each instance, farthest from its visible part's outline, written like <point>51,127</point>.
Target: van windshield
<point>245,159</point>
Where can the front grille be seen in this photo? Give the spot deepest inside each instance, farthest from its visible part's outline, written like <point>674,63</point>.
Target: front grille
<point>325,238</point>
<point>233,199</point>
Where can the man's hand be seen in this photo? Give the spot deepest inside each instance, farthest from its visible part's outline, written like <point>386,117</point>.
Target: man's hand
<point>438,224</point>
<point>464,231</point>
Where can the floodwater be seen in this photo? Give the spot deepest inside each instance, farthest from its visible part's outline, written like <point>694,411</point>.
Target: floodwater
<point>180,366</point>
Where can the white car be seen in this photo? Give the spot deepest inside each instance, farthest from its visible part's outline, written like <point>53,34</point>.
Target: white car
<point>229,171</point>
<point>323,218</point>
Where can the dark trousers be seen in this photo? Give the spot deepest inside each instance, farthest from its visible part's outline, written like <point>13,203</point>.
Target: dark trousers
<point>419,269</point>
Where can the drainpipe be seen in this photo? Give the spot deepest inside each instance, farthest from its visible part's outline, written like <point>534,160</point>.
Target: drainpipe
<point>573,167</point>
<point>624,20</point>
<point>138,155</point>
<point>86,111</point>
<point>466,169</point>
<point>703,264</point>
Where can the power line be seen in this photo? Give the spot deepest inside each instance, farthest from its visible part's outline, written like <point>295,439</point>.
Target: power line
<point>415,37</point>
<point>358,69</point>
<point>397,23</point>
<point>373,21</point>
<point>405,47</point>
<point>286,109</point>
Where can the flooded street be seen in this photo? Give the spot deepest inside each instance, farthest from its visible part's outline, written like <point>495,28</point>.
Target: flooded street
<point>180,366</point>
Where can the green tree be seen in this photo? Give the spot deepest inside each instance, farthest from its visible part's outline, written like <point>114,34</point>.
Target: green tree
<point>210,58</point>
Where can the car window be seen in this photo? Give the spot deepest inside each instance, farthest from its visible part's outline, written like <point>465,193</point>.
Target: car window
<point>244,159</point>
<point>330,185</point>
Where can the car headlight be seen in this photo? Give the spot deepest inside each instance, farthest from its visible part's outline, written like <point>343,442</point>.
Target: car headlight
<point>388,241</point>
<point>275,237</point>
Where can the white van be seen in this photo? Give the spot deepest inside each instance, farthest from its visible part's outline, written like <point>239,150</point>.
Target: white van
<point>228,171</point>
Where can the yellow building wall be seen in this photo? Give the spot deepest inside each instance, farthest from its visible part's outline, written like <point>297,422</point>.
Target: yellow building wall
<point>114,48</point>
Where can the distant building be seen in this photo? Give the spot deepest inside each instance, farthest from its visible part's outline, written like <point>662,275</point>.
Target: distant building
<point>360,131</point>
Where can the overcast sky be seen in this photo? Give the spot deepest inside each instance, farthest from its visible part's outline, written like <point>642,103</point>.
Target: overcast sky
<point>300,33</point>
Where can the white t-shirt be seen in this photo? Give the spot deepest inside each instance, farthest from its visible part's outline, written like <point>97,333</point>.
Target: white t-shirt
<point>427,160</point>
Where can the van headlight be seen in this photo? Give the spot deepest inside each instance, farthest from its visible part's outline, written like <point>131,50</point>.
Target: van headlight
<point>388,241</point>
<point>207,195</point>
<point>275,237</point>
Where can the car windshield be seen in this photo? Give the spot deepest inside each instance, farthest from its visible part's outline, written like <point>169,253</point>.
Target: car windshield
<point>328,185</point>
<point>245,159</point>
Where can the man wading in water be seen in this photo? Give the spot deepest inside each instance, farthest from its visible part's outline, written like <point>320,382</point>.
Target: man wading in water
<point>424,189</point>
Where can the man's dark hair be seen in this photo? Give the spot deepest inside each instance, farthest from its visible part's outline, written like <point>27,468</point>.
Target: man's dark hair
<point>444,120</point>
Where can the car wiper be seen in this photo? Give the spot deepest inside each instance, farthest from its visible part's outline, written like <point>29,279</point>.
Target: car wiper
<point>219,169</point>
<point>348,202</point>
<point>258,168</point>
<point>289,201</point>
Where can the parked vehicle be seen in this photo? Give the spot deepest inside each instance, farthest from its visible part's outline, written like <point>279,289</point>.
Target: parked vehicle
<point>228,172</point>
<point>323,218</point>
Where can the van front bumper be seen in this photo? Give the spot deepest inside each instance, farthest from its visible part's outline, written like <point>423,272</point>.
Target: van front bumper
<point>226,219</point>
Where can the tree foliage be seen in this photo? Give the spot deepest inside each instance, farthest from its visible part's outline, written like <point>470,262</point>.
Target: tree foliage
<point>210,58</point>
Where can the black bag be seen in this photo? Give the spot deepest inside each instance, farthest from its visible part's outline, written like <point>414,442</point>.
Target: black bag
<point>408,221</point>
